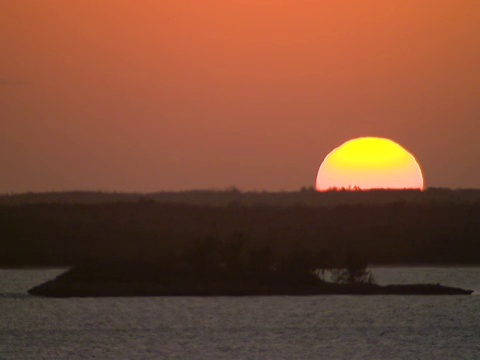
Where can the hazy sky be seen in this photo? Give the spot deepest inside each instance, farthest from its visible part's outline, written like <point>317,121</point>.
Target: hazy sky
<point>139,95</point>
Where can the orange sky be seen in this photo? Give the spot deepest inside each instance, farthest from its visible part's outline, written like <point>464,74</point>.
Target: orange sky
<point>170,95</point>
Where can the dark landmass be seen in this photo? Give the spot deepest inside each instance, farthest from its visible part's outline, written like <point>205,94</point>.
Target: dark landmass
<point>386,231</point>
<point>134,280</point>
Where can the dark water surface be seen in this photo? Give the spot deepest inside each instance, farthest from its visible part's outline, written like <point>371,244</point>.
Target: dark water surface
<point>279,327</point>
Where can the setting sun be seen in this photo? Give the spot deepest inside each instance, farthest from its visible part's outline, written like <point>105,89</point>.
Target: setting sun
<point>369,163</point>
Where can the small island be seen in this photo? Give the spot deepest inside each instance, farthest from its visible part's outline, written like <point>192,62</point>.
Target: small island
<point>83,282</point>
<point>214,268</point>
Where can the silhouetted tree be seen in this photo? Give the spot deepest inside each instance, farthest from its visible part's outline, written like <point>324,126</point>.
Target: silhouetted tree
<point>355,271</point>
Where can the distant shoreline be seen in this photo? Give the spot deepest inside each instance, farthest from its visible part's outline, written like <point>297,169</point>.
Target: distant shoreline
<point>306,196</point>
<point>384,228</point>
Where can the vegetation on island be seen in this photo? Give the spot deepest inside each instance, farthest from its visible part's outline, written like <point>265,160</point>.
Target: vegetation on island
<point>211,267</point>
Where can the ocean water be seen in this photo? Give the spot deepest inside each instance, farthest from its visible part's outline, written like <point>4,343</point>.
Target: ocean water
<point>277,327</point>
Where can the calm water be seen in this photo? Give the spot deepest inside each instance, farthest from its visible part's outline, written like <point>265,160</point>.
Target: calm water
<point>280,327</point>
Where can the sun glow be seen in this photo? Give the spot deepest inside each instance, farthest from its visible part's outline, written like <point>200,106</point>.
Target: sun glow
<point>369,163</point>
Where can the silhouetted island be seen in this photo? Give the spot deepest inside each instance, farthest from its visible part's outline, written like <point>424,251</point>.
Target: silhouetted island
<point>102,280</point>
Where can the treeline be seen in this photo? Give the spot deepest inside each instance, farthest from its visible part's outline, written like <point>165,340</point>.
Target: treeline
<point>305,196</point>
<point>147,231</point>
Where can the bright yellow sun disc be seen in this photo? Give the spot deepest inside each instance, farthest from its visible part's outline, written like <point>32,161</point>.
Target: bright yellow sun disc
<point>369,163</point>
